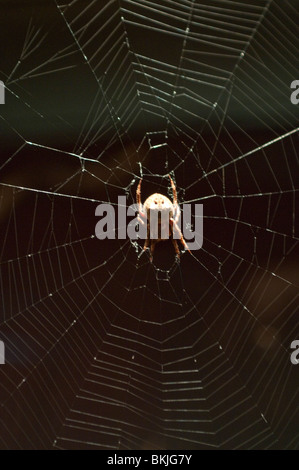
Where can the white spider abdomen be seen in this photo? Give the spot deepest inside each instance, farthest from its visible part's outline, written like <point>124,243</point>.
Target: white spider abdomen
<point>159,210</point>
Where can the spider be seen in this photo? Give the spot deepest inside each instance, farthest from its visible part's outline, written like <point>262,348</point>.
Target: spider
<point>163,205</point>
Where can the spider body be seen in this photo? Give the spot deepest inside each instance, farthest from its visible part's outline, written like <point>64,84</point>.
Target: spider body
<point>165,214</point>
<point>160,208</point>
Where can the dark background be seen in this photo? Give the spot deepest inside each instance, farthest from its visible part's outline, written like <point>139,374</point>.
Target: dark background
<point>106,352</point>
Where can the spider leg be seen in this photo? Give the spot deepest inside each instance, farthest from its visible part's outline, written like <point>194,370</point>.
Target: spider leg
<point>139,219</point>
<point>147,241</point>
<point>145,248</point>
<point>177,214</point>
<point>140,208</point>
<point>174,225</point>
<point>176,248</point>
<point>177,210</point>
<point>138,196</point>
<point>138,193</point>
<point>174,192</point>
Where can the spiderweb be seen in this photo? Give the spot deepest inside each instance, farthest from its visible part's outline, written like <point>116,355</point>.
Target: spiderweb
<point>103,349</point>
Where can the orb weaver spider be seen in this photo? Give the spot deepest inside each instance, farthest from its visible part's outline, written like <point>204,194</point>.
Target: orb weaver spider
<point>162,205</point>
